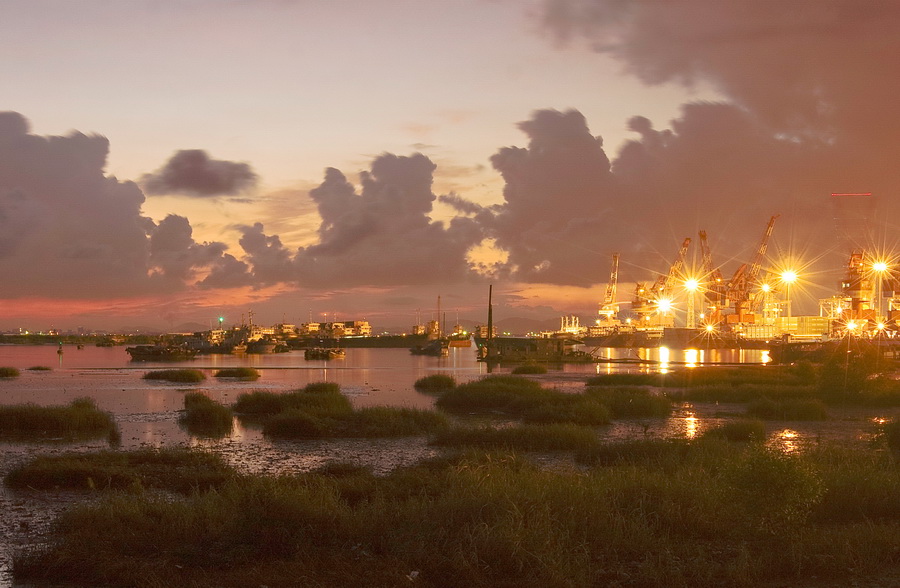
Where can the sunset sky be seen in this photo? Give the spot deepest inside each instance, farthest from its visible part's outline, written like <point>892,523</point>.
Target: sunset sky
<point>171,161</point>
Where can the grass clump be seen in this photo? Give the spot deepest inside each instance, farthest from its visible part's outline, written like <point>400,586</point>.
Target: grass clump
<point>81,419</point>
<point>529,368</point>
<point>631,401</point>
<point>187,376</point>
<point>890,432</point>
<point>9,372</point>
<point>680,514</point>
<point>379,421</point>
<point>788,410</point>
<point>205,417</point>
<point>176,470</point>
<point>554,437</point>
<point>743,430</point>
<point>625,379</point>
<point>319,397</point>
<point>241,373</point>
<point>39,368</point>
<point>435,382</point>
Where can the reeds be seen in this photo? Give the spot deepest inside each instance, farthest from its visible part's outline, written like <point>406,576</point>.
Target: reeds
<point>79,420</point>
<point>791,409</point>
<point>631,401</point>
<point>186,376</point>
<point>679,514</point>
<point>240,373</point>
<point>553,437</point>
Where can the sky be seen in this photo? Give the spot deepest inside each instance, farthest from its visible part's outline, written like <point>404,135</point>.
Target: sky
<point>172,161</point>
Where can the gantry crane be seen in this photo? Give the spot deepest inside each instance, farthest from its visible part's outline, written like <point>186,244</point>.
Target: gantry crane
<point>713,282</point>
<point>609,308</point>
<point>646,300</point>
<point>746,278</point>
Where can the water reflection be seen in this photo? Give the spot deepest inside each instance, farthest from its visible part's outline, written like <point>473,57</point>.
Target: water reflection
<point>786,440</point>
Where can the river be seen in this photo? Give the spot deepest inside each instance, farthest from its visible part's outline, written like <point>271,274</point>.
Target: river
<point>147,411</point>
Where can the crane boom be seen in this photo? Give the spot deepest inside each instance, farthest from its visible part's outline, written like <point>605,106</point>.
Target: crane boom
<point>665,282</point>
<point>610,297</point>
<point>747,275</point>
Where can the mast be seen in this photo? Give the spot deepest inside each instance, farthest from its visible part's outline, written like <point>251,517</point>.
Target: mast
<point>490,325</point>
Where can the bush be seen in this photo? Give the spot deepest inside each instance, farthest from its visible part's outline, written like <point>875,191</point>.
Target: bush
<point>79,420</point>
<point>186,376</point>
<point>242,373</point>
<point>206,417</point>
<point>435,382</point>
<point>9,372</point>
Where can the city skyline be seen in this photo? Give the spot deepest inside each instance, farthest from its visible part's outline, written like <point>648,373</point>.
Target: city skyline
<point>168,162</point>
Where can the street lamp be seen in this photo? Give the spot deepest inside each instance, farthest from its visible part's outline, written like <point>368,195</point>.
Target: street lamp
<point>879,267</point>
<point>788,277</point>
<point>691,285</point>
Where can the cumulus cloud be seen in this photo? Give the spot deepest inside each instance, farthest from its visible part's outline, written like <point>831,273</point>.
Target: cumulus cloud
<point>67,230</point>
<point>192,172</point>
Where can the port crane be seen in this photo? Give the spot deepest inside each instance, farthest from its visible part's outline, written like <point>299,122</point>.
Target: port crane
<point>745,278</point>
<point>646,300</point>
<point>609,308</point>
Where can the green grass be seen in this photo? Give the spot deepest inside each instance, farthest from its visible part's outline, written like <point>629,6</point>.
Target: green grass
<point>705,514</point>
<point>241,373</point>
<point>205,417</point>
<point>745,430</point>
<point>176,470</point>
<point>9,372</point>
<point>380,421</point>
<point>182,376</point>
<point>322,398</point>
<point>435,382</point>
<point>554,437</point>
<point>891,434</point>
<point>79,420</point>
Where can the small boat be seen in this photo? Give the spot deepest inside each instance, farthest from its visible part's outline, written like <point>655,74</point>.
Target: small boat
<point>261,346</point>
<point>314,353</point>
<point>160,353</point>
<point>239,348</point>
<point>435,348</point>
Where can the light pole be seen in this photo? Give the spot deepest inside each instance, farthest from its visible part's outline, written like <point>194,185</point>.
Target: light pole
<point>879,267</point>
<point>691,285</point>
<point>788,277</point>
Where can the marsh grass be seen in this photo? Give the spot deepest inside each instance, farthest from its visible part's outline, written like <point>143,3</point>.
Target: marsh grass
<point>553,437</point>
<point>187,376</point>
<point>791,409</point>
<point>81,419</point>
<point>9,372</point>
<point>631,401</point>
<point>681,514</point>
<point>529,368</point>
<point>435,382</point>
<point>321,398</point>
<point>40,368</point>
<point>205,417</point>
<point>177,470</point>
<point>241,373</point>
<point>741,430</point>
<point>379,421</point>
<point>890,432</point>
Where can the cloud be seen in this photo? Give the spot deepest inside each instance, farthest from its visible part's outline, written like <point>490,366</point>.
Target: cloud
<point>193,173</point>
<point>69,231</point>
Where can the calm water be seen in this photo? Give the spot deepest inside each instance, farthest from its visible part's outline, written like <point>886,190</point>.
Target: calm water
<point>147,411</point>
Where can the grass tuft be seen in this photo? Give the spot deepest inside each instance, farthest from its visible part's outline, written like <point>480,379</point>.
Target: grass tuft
<point>39,368</point>
<point>435,382</point>
<point>81,419</point>
<point>9,372</point>
<point>631,401</point>
<point>744,430</point>
<point>205,417</point>
<point>241,373</point>
<point>529,368</point>
<point>182,376</point>
<point>553,437</point>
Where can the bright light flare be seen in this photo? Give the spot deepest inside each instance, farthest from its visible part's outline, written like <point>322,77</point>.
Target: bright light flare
<point>789,276</point>
<point>691,285</point>
<point>664,305</point>
<point>880,266</point>
<point>710,328</point>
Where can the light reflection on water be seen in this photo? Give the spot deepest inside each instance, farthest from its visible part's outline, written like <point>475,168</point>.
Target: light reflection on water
<point>147,411</point>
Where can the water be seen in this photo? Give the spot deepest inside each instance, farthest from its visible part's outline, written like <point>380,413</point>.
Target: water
<point>147,410</point>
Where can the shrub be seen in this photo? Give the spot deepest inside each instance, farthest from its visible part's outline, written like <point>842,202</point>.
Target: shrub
<point>242,373</point>
<point>81,419</point>
<point>8,372</point>
<point>435,382</point>
<point>187,376</point>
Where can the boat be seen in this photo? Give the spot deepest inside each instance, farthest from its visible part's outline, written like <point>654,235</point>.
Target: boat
<point>239,348</point>
<point>261,346</point>
<point>434,348</point>
<point>160,353</point>
<point>314,353</point>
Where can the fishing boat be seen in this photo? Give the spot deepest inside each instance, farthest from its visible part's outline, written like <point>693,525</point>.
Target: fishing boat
<point>160,353</point>
<point>314,353</point>
<point>434,348</point>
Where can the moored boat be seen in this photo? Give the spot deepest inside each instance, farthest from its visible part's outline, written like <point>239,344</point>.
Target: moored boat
<point>160,353</point>
<point>314,353</point>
